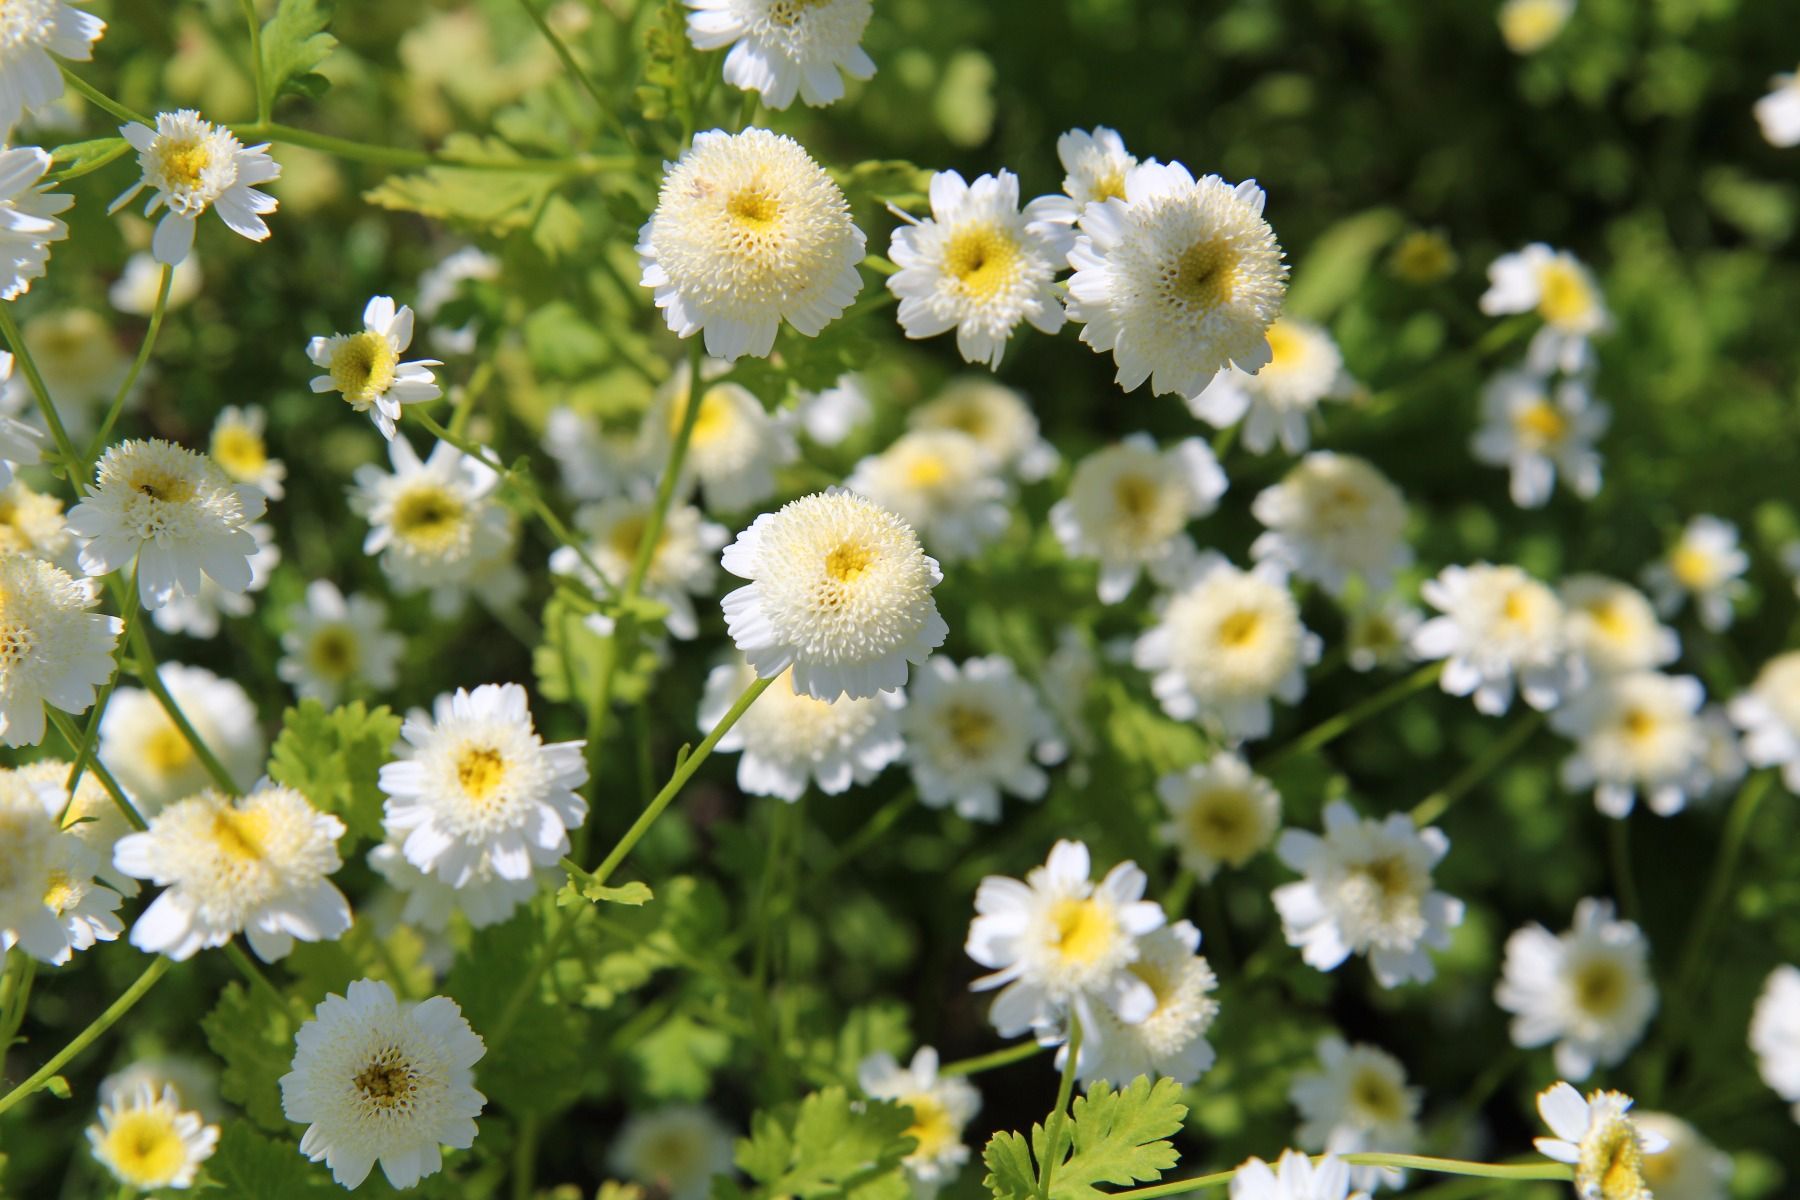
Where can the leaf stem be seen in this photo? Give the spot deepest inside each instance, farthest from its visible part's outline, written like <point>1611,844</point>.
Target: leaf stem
<point>1332,728</point>
<point>81,1041</point>
<point>1053,1127</point>
<point>65,449</point>
<point>994,1060</point>
<point>1435,805</point>
<point>137,365</point>
<point>65,725</point>
<point>100,98</point>
<point>265,102</point>
<point>152,679</point>
<point>1521,1172</point>
<point>665,488</point>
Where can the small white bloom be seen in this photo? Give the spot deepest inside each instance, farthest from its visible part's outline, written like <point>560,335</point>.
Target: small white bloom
<point>194,165</point>
<point>997,417</point>
<point>681,565</point>
<point>1588,990</point>
<point>942,1106</point>
<point>32,525</point>
<point>1294,1177</point>
<point>974,731</point>
<point>486,898</point>
<point>1332,518</point>
<point>240,446</point>
<point>1636,732</point>
<point>1600,1140</point>
<point>1367,891</point>
<point>1613,628</point>
<point>596,462</point>
<point>1527,26</point>
<point>1562,291</point>
<point>943,484</point>
<point>1302,368</point>
<point>49,904</point>
<point>735,446</point>
<point>28,220</point>
<point>1129,506</point>
<point>1538,430</point>
<point>1690,1168</point>
<point>1721,755</point>
<point>20,444</point>
<point>378,1080</point>
<point>335,644</point>
<point>82,367</point>
<point>1775,1033</point>
<point>1221,813</point>
<point>1706,565</point>
<point>1769,715</point>
<point>148,1141</point>
<point>789,740</point>
<point>1357,1102</point>
<point>830,416</point>
<point>30,32</point>
<point>154,762</point>
<point>53,650</point>
<point>1380,635</point>
<point>1170,1040</point>
<point>1097,164</point>
<point>365,368</point>
<point>749,231</point>
<point>1778,113</point>
<point>1067,681</point>
<point>678,1150</point>
<point>436,523</point>
<point>1500,627</point>
<point>194,1079</point>
<point>90,816</point>
<point>134,292</point>
<point>440,284</point>
<point>780,47</point>
<point>201,614</point>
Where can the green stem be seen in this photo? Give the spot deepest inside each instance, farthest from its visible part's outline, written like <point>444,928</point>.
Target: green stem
<point>524,1163</point>
<point>1435,805</point>
<point>1332,728</point>
<point>15,995</point>
<point>1731,845</point>
<point>993,1061</point>
<point>65,725</point>
<point>137,365</point>
<point>1618,846</point>
<point>1053,1127</point>
<point>93,164</point>
<point>601,100</point>
<point>152,680</point>
<point>100,1024</point>
<point>253,975</point>
<point>64,447</point>
<point>100,98</point>
<point>265,102</point>
<point>84,751</point>
<point>393,156</point>
<point>665,488</point>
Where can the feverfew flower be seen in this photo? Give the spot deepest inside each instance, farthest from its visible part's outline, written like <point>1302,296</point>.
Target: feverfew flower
<point>173,511</point>
<point>830,416</point>
<point>789,740</point>
<point>780,47</point>
<point>375,1079</point>
<point>1171,1039</point>
<point>1779,112</point>
<point>1706,565</point>
<point>1057,941</point>
<point>1600,1140</point>
<point>1357,1102</point>
<point>31,524</point>
<point>1097,164</point>
<point>134,292</point>
<point>595,461</point>
<point>1588,990</point>
<point>20,444</point>
<point>1613,628</point>
<point>240,447</point>
<point>1499,626</point>
<point>1775,1033</point>
<point>1527,26</point>
<point>979,265</point>
<point>30,32</point>
<point>974,731</point>
<point>749,231</point>
<point>28,220</point>
<point>681,564</point>
<point>442,283</point>
<point>475,779</point>
<point>1769,715</point>
<point>997,417</point>
<point>435,523</point>
<point>1690,1168</point>
<point>365,367</point>
<point>1294,1177</point>
<point>1129,506</point>
<point>943,484</point>
<point>194,165</point>
<point>1562,291</point>
<point>53,650</point>
<point>1635,732</point>
<point>81,364</point>
<point>1178,279</point>
<point>258,865</point>
<point>49,905</point>
<point>735,445</point>
<point>1380,634</point>
<point>1220,814</point>
<point>335,644</point>
<point>1302,368</point>
<point>1367,891</point>
<point>486,898</point>
<point>90,815</point>
<point>148,1141</point>
<point>1224,645</point>
<point>1332,518</point>
<point>201,614</point>
<point>1537,430</point>
<point>942,1106</point>
<point>148,753</point>
<point>839,590</point>
<point>678,1150</point>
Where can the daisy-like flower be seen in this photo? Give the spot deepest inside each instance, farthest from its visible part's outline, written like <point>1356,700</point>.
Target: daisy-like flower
<point>1613,628</point>
<point>943,484</point>
<point>979,265</point>
<point>53,650</point>
<point>1302,368</point>
<point>1380,635</point>
<point>336,643</point>
<point>173,511</point>
<point>49,905</point>
<point>1588,990</point>
<point>830,416</point>
<point>134,292</point>
<point>1527,26</point>
<point>1778,113</point>
<point>1598,1137</point>
<point>30,32</point>
<point>32,525</point>
<point>443,283</point>
<point>839,590</point>
<point>1367,891</point>
<point>596,462</point>
<point>1293,1177</point>
<point>257,865</point>
<point>1221,813</point>
<point>20,444</point>
<point>28,220</point>
<point>678,1150</point>
<point>1357,1102</point>
<point>749,231</point>
<point>780,47</point>
<point>1170,1040</point>
<point>1224,645</point>
<point>1690,1168</point>
<point>194,165</point>
<point>1178,279</point>
<point>1097,164</point>
<point>365,368</point>
<point>1057,941</point>
<point>1538,430</point>
<point>1705,565</point>
<point>974,731</point>
<point>435,523</point>
<point>195,1082</point>
<point>681,565</point>
<point>1562,291</point>
<point>148,1141</point>
<point>942,1106</point>
<point>1721,754</point>
<point>1500,627</point>
<point>788,740</point>
<point>997,417</point>
<point>1067,681</point>
<point>90,816</point>
<point>240,446</point>
<point>475,780</point>
<point>82,368</point>
<point>1775,1033</point>
<point>1637,732</point>
<point>375,1079</point>
<point>486,898</point>
<point>201,614</point>
<point>1332,518</point>
<point>148,753</point>
<point>1129,506</point>
<point>735,445</point>
<point>1769,715</point>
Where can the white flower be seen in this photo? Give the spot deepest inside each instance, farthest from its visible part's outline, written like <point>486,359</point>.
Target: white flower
<point>595,462</point>
<point>1635,732</point>
<point>1561,290</point>
<point>148,1141</point>
<point>1721,757</point>
<point>1220,814</point>
<point>830,416</point>
<point>194,165</point>
<point>28,220</point>
<point>943,484</point>
<point>839,590</point>
<point>1599,1139</point>
<point>335,644</point>
<point>1691,1168</point>
<point>194,1079</point>
<point>1775,1034</point>
<point>134,292</point>
<point>1527,26</point>
<point>1779,112</point>
<point>942,1106</point>
<point>200,615</point>
<point>1537,430</point>
<point>1097,164</point>
<point>681,565</point>
<point>49,905</point>
<point>1769,715</point>
<point>365,367</point>
<point>32,525</point>
<point>154,762</point>
<point>1705,564</point>
<point>1588,990</point>
<point>175,512</point>
<point>1057,941</point>
<point>780,47</point>
<point>81,364</point>
<point>1367,891</point>
<point>258,865</point>
<point>475,779</point>
<point>486,898</point>
<point>1294,1177</point>
<point>240,447</point>
<point>1302,367</point>
<point>435,523</point>
<point>1170,1040</point>
<point>90,816</point>
<point>1225,644</point>
<point>1129,506</point>
<point>997,417</point>
<point>1067,680</point>
<point>440,284</point>
<point>1178,279</point>
<point>1380,635</point>
<point>678,1150</point>
<point>20,444</point>
<point>53,650</point>
<point>974,731</point>
<point>735,445</point>
<point>788,740</point>
<point>749,231</point>
<point>30,32</point>
<point>1357,1102</point>
<point>1332,518</point>
<point>376,1079</point>
<point>1499,626</point>
<point>979,265</point>
<point>1613,628</point>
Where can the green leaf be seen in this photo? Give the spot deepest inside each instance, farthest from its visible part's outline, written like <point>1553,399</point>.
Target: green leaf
<point>256,1044</point>
<point>249,1164</point>
<point>1339,261</point>
<point>1010,1171</point>
<point>497,201</point>
<point>294,42</point>
<point>828,1145</point>
<point>80,154</point>
<point>1111,1137</point>
<point>485,982</point>
<point>585,887</point>
<point>334,758</point>
<point>679,1057</point>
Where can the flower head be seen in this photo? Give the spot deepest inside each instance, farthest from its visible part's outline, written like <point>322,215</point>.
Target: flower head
<point>201,614</point>
<point>1294,1177</point>
<point>90,815</point>
<point>1613,628</point>
<point>1170,1040</point>
<point>53,649</point>
<point>1356,1102</point>
<point>1705,565</point>
<point>138,285</point>
<point>942,1106</point>
<point>49,905</point>
<point>997,417</point>
<point>678,1149</point>
<point>30,32</point>
<point>194,165</point>
<point>1334,517</point>
<point>788,740</point>
<point>1588,990</point>
<point>1380,634</point>
<point>1220,814</point>
<point>831,415</point>
<point>1276,402</point>
<point>681,563</point>
<point>1527,26</point>
<point>32,524</point>
<point>1690,1168</point>
<point>1129,506</point>
<point>1775,1033</point>
<point>1538,431</point>
<point>1636,732</point>
<point>28,213</point>
<point>1778,113</point>
<point>780,47</point>
<point>365,367</point>
<point>1769,715</point>
<point>973,731</point>
<point>485,898</point>
<point>1561,290</point>
<point>336,643</point>
<point>148,752</point>
<point>734,448</point>
<point>1097,164</point>
<point>148,1141</point>
<point>240,447</point>
<point>435,522</point>
<point>943,484</point>
<point>1498,626</point>
<point>1599,1138</point>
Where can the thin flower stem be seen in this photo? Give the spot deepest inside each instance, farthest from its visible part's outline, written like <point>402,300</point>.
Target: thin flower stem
<point>1053,1127</point>
<point>254,976</point>
<point>665,489</point>
<point>1435,805</point>
<point>137,365</point>
<point>100,98</point>
<point>1618,846</point>
<point>1332,728</point>
<point>265,102</point>
<point>993,1061</point>
<point>152,680</point>
<point>81,1041</point>
<point>65,449</point>
<point>1731,846</point>
<point>601,101</point>
<point>393,156</point>
<point>65,725</point>
<point>524,1163</point>
<point>15,994</point>
<point>84,751</point>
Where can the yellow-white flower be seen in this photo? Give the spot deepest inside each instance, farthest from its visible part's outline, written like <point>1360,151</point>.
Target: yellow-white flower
<point>135,290</point>
<point>90,816</point>
<point>148,753</point>
<point>1690,1168</point>
<point>1357,1102</point>
<point>53,650</point>
<point>81,364</point>
<point>678,1150</point>
<point>1561,290</point>
<point>1220,814</point>
<point>681,564</point>
<point>201,614</point>
<point>1769,715</point>
<point>1294,1177</point>
<point>486,898</point>
<point>257,865</point>
<point>194,165</point>
<point>241,448</point>
<point>1775,1033</point>
<point>783,47</point>
<point>49,904</point>
<point>30,32</point>
<point>749,231</point>
<point>943,484</point>
<point>595,461</point>
<point>830,416</point>
<point>1705,565</point>
<point>1380,634</point>
<point>1598,1137</point>
<point>788,740</point>
<point>1170,1040</point>
<point>839,590</point>
<point>735,446</point>
<point>1331,519</point>
<point>980,265</point>
<point>1540,431</point>
<point>1636,732</point>
<point>1500,626</point>
<point>1778,113</point>
<point>442,283</point>
<point>365,367</point>
<point>1301,369</point>
<point>335,644</point>
<point>974,731</point>
<point>435,522</point>
<point>32,525</point>
<point>28,220</point>
<point>148,1141</point>
<point>1097,164</point>
<point>1588,990</point>
<point>942,1106</point>
<point>1527,26</point>
<point>375,1079</point>
<point>996,416</point>
<point>1612,626</point>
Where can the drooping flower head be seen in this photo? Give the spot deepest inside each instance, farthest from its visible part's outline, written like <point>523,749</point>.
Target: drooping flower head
<point>365,367</point>
<point>194,165</point>
<point>53,649</point>
<point>148,1141</point>
<point>1588,990</point>
<point>1276,402</point>
<point>28,213</point>
<point>780,47</point>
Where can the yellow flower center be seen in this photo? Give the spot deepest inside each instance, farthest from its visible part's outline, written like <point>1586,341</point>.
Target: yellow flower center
<point>1219,822</point>
<point>333,653</point>
<point>1391,876</point>
<point>480,770</point>
<point>1564,297</point>
<point>753,209</point>
<point>1206,274</point>
<point>628,535</point>
<point>1639,725</point>
<point>240,450</point>
<point>973,731</point>
<point>1540,423</point>
<point>1084,930</point>
<point>1376,1096</point>
<point>1240,629</point>
<point>848,562</point>
<point>926,471</point>
<point>144,1148</point>
<point>1694,569</point>
<point>1612,1166</point>
<point>712,422</point>
<point>932,1127</point>
<point>362,366</point>
<point>163,486</point>
<point>388,1080</point>
<point>16,641</point>
<point>1599,988</point>
<point>1528,25</point>
<point>1527,606</point>
<point>983,259</point>
<point>787,13</point>
<point>167,751</point>
<point>1110,186</point>
<point>59,892</point>
<point>428,517</point>
<point>1286,345</point>
<point>240,834</point>
<point>184,162</point>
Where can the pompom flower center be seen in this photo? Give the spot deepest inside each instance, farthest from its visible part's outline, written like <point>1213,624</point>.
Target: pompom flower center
<point>1564,297</point>
<point>363,365</point>
<point>480,770</point>
<point>983,259</point>
<point>1206,274</point>
<point>184,163</point>
<point>240,451</point>
<point>145,1148</point>
<point>388,1082</point>
<point>163,487</point>
<point>1612,1166</point>
<point>1084,931</point>
<point>428,518</point>
<point>932,1127</point>
<point>241,835</point>
<point>753,209</point>
<point>849,562</point>
<point>167,751</point>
